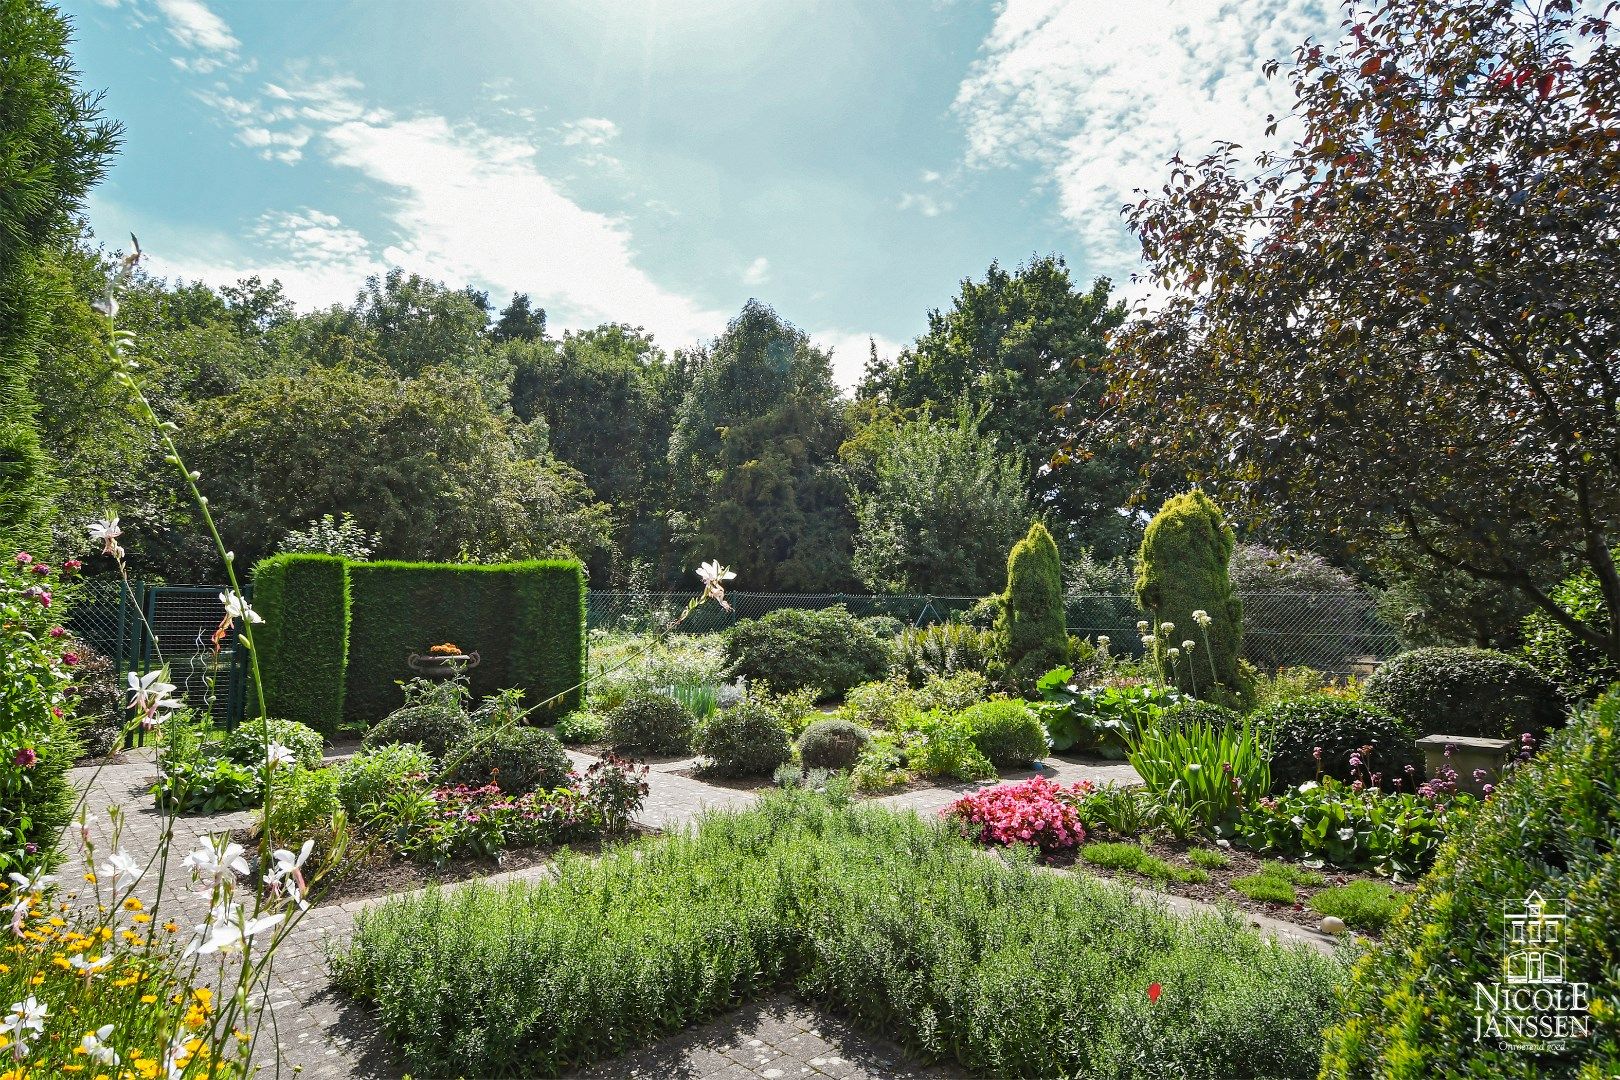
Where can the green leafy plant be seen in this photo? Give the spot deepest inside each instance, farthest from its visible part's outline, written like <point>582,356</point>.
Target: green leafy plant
<point>1580,668</point>
<point>1029,623</point>
<point>882,765</point>
<point>1132,857</point>
<point>826,650</point>
<point>1100,720</point>
<point>1123,811</point>
<point>1318,735</point>
<point>247,744</point>
<point>1209,859</point>
<point>433,724</point>
<point>1267,886</point>
<point>1006,731</point>
<point>649,722</point>
<point>372,776</point>
<point>582,726</point>
<point>832,744</point>
<point>1212,771</point>
<point>1465,691</point>
<point>745,740</point>
<point>518,760</point>
<point>943,650</point>
<point>1363,905</point>
<point>303,804</point>
<point>936,744</point>
<point>1397,834</point>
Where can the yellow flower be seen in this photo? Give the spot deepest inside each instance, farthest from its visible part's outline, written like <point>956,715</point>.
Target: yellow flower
<point>91,878</point>
<point>148,999</point>
<point>171,927</point>
<point>142,918</point>
<point>133,903</point>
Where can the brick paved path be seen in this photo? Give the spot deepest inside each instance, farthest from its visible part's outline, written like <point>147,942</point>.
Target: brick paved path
<point>321,1034</point>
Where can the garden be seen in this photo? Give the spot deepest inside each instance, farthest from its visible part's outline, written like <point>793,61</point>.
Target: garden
<point>400,753</point>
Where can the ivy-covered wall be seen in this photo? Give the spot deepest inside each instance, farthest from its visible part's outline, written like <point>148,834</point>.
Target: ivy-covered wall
<point>526,621</point>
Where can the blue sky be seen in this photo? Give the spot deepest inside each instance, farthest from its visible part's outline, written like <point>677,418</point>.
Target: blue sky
<point>659,162</point>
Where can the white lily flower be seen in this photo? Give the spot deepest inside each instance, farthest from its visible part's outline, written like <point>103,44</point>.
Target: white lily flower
<point>122,867</point>
<point>714,576</point>
<point>277,754</point>
<point>150,695</point>
<point>34,882</point>
<point>287,871</point>
<point>94,1046</point>
<point>106,533</point>
<point>227,931</point>
<point>216,857</point>
<point>237,608</point>
<point>27,1015</point>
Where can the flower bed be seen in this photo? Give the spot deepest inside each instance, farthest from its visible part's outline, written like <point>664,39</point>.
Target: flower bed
<point>1036,812</point>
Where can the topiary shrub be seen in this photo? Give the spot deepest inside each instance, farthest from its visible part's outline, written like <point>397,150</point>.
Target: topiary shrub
<point>1029,622</point>
<point>648,722</point>
<point>246,745</point>
<point>518,760</point>
<point>1190,711</point>
<point>1410,1008</point>
<point>1007,732</point>
<point>745,740</point>
<point>1581,669</point>
<point>1295,730</point>
<point>827,651</point>
<point>832,744</point>
<point>435,726</point>
<point>1182,568</point>
<point>368,778</point>
<point>1465,691</point>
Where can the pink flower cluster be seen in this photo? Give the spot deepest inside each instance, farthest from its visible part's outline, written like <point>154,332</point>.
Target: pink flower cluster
<point>1037,812</point>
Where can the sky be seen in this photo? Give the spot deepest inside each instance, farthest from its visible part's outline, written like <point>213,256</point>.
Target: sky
<point>660,162</point>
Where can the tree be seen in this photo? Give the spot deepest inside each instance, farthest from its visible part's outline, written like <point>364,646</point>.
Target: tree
<point>754,453</point>
<point>519,322</point>
<point>1407,317</point>
<point>944,505</point>
<point>1181,571</point>
<point>54,146</point>
<point>1022,344</point>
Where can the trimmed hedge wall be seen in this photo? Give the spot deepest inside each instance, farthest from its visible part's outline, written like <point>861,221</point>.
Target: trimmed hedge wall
<point>303,643</point>
<point>526,620</point>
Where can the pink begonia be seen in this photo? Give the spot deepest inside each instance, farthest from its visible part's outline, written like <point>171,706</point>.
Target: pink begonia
<point>1037,812</point>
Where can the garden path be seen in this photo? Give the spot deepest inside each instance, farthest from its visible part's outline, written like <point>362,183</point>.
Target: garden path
<point>321,1034</point>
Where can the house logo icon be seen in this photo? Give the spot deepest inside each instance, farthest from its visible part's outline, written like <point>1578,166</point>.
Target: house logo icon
<point>1534,928</point>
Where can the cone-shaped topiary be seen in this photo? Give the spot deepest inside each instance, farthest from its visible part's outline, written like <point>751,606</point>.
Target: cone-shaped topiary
<point>1182,569</point>
<point>1029,624</point>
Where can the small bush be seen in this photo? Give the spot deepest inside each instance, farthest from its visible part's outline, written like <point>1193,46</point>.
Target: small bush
<point>881,766</point>
<point>1295,731</point>
<point>1007,732</point>
<point>371,776</point>
<point>434,726</point>
<point>827,651</point>
<point>517,760</point>
<point>1208,860</point>
<point>581,726</point>
<point>884,626</point>
<point>947,649</point>
<point>1188,712</point>
<point>1036,812</point>
<point>939,745</point>
<point>1267,886</point>
<point>744,740</point>
<point>98,703</point>
<point>1363,905</point>
<point>301,805</point>
<point>1465,691</point>
<point>648,722</point>
<point>1549,829</point>
<point>246,745</point>
<point>832,744</point>
<point>953,692</point>
<point>879,705</point>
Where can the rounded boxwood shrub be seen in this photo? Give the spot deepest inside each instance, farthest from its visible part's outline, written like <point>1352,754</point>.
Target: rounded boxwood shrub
<point>246,745</point>
<point>1190,711</point>
<point>368,778</point>
<point>518,760</point>
<point>827,651</point>
<point>649,722</point>
<point>744,740</point>
<point>1409,1007</point>
<point>832,744</point>
<point>1295,729</point>
<point>1006,731</point>
<point>1465,691</point>
<point>434,726</point>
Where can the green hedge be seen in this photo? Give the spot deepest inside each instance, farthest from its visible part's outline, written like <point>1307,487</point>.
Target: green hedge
<point>303,643</point>
<point>337,634</point>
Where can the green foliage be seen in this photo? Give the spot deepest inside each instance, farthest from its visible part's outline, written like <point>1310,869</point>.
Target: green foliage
<point>832,744</point>
<point>1212,771</point>
<point>1122,810</point>
<point>526,620</point>
<point>944,505</point>
<point>1581,669</point>
<point>881,766</point>
<point>581,726</point>
<point>1029,625</point>
<point>54,146</point>
<point>1208,859</point>
<point>747,739</point>
<point>1395,834</point>
<point>435,726</point>
<point>248,746</point>
<point>1317,736</point>
<point>1271,885</point>
<point>98,703</point>
<point>1465,691</point>
<point>649,722</point>
<point>372,776</point>
<point>516,759</point>
<point>1101,720</point>
<point>331,536</point>
<point>1433,603</point>
<point>1007,732</point>
<point>939,744</point>
<point>883,916</point>
<point>1363,905</point>
<point>1548,830</point>
<point>1290,684</point>
<point>754,454</point>
<point>1182,568</point>
<point>1132,857</point>
<point>301,805</point>
<point>946,649</point>
<point>826,650</point>
<point>1188,712</point>
<point>303,643</point>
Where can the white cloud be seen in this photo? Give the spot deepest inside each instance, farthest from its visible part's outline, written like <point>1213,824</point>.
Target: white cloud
<point>1099,97</point>
<point>851,351</point>
<point>193,25</point>
<point>925,204</point>
<point>757,272</point>
<point>589,131</point>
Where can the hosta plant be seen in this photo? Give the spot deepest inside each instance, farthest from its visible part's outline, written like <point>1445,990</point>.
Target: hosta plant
<point>1099,720</point>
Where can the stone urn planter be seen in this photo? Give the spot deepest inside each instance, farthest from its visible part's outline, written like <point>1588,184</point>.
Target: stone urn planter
<point>442,665</point>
